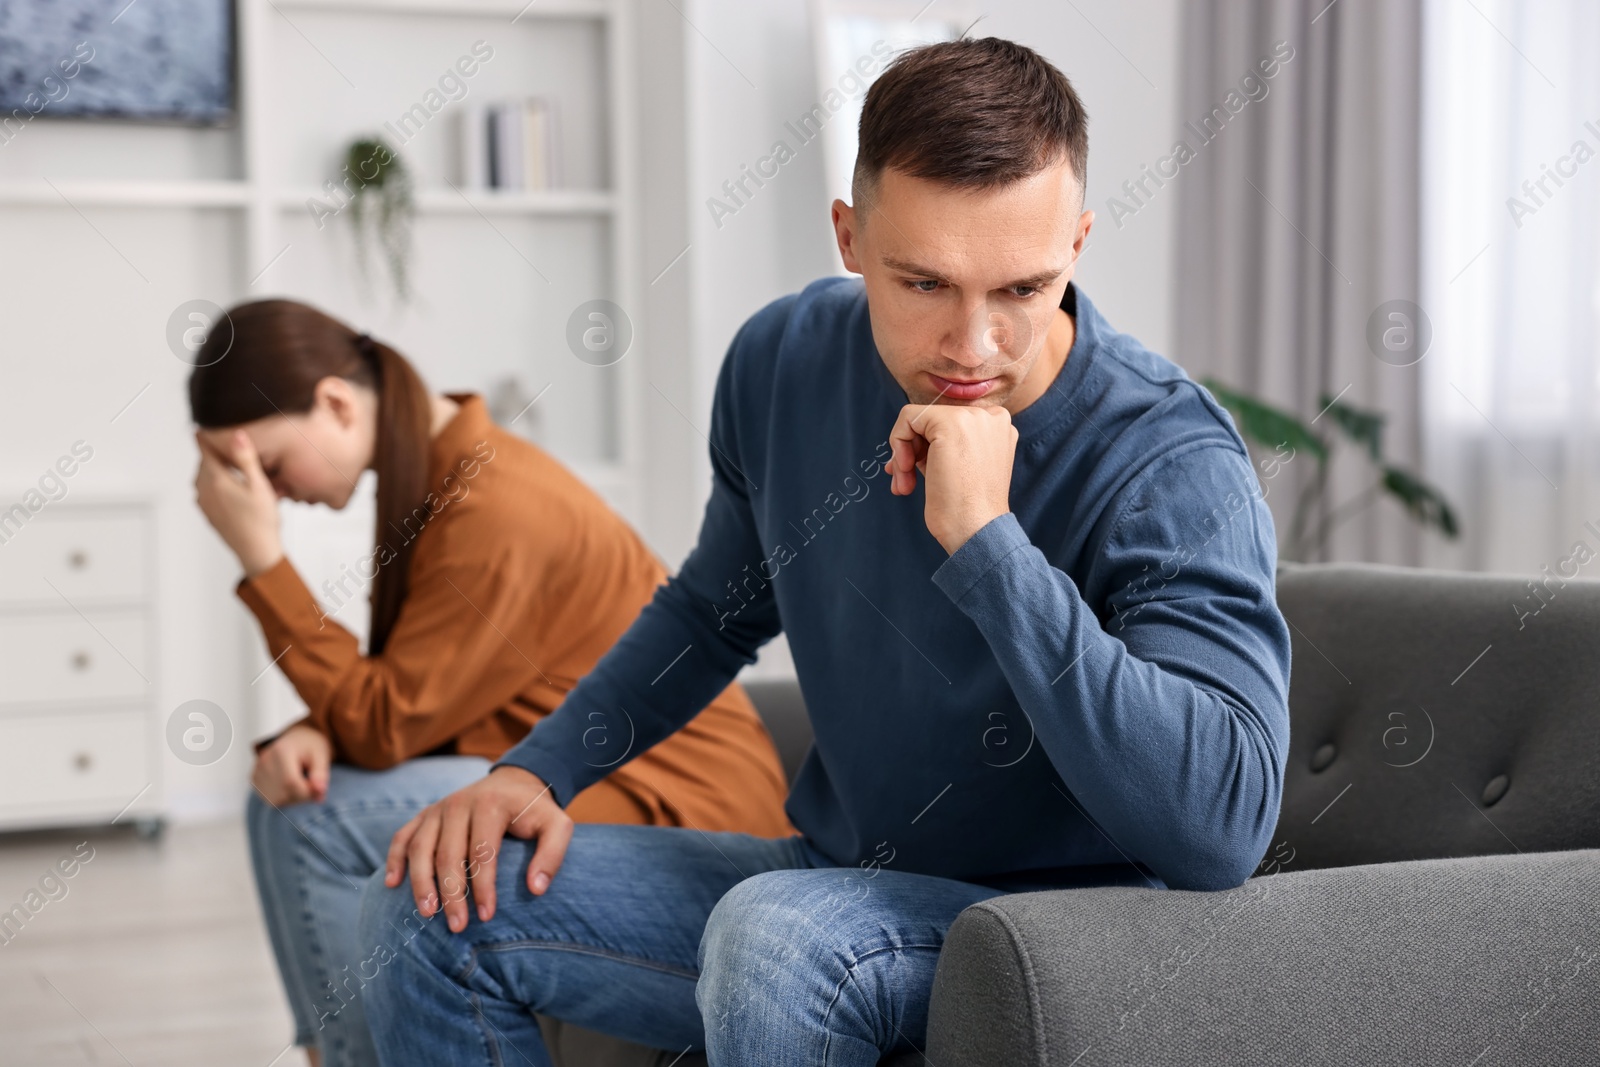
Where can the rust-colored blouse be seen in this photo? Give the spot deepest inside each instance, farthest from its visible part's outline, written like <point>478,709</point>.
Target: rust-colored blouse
<point>521,578</point>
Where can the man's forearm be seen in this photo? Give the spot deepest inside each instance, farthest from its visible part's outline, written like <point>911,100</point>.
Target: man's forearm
<point>670,664</point>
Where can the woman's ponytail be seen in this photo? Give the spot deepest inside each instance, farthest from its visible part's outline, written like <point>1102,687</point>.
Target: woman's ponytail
<point>400,457</point>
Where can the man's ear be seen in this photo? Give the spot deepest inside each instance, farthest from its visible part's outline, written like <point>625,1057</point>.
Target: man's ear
<point>1080,240</point>
<point>845,232</point>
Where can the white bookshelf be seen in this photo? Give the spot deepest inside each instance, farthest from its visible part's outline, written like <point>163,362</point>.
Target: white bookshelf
<point>236,194</point>
<point>573,202</point>
<point>112,193</point>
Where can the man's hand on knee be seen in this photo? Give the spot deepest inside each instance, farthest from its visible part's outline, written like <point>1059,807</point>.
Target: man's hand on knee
<point>456,841</point>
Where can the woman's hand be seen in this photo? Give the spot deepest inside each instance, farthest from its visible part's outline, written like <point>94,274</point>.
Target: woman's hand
<point>238,500</point>
<point>294,768</point>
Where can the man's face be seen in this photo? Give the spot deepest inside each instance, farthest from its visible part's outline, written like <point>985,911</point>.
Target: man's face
<point>963,286</point>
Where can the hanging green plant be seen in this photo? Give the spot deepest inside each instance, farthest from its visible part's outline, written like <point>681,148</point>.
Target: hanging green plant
<point>1315,517</point>
<point>381,209</point>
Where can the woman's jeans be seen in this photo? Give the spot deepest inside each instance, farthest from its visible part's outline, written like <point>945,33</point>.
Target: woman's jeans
<point>311,862</point>
<point>764,952</point>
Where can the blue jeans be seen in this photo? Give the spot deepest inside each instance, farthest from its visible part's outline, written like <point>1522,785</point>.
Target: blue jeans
<point>310,862</point>
<point>759,951</point>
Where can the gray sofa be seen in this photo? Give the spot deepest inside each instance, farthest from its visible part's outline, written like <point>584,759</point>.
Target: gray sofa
<point>1432,894</point>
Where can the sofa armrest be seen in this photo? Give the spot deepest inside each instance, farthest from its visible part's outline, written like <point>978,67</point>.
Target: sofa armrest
<point>1478,961</point>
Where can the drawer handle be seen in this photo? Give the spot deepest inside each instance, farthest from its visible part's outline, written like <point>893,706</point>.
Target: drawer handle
<point>80,661</point>
<point>77,559</point>
<point>82,761</point>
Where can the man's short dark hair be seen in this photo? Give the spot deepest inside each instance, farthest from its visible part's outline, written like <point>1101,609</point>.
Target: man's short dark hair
<point>973,113</point>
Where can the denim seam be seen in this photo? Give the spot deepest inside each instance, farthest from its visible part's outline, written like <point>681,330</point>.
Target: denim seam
<point>319,961</point>
<point>270,884</point>
<point>330,1040</point>
<point>849,973</point>
<point>490,1045</point>
<point>579,949</point>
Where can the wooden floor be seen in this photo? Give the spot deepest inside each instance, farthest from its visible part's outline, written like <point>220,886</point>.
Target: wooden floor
<point>154,956</point>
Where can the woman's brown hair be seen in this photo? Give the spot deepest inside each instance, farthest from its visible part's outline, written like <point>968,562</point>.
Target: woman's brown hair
<point>267,357</point>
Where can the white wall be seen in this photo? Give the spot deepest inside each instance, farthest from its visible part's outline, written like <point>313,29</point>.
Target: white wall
<point>671,497</point>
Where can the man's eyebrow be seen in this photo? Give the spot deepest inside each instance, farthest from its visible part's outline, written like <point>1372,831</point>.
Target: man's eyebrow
<point>905,266</point>
<point>1033,281</point>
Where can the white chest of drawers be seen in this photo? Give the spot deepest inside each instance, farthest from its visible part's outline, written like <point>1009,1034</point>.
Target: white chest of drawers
<point>78,724</point>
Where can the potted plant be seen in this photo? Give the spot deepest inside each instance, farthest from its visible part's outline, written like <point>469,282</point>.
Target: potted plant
<point>381,209</point>
<point>1315,518</point>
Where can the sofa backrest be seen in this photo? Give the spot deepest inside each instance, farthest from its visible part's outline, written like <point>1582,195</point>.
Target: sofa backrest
<point>1437,714</point>
<point>1428,717</point>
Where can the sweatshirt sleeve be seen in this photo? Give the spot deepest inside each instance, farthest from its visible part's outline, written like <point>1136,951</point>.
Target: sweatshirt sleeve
<point>449,661</point>
<point>683,649</point>
<point>1160,692</point>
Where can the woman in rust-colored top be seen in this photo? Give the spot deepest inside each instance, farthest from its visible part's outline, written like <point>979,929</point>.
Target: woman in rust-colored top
<point>497,579</point>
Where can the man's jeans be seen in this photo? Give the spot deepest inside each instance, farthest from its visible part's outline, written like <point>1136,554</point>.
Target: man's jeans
<point>310,862</point>
<point>761,951</point>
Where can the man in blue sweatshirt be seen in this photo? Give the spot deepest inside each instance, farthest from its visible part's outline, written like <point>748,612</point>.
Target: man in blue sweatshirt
<point>1026,575</point>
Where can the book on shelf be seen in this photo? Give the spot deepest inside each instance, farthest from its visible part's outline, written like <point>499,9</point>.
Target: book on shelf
<point>510,145</point>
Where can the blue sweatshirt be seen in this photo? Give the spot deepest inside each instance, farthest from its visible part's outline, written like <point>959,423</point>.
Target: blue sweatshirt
<point>1092,690</point>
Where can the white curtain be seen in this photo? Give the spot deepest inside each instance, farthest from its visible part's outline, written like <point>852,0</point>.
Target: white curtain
<point>1511,280</point>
